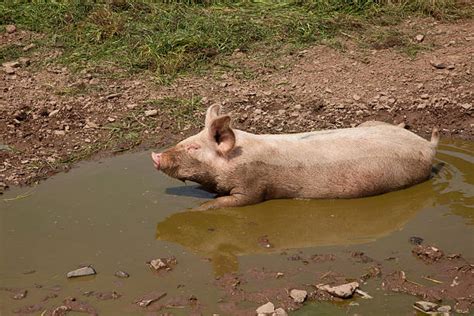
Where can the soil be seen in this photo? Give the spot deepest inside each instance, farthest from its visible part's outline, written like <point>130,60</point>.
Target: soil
<point>50,117</point>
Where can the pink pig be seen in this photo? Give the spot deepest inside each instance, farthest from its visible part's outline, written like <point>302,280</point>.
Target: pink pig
<point>245,168</point>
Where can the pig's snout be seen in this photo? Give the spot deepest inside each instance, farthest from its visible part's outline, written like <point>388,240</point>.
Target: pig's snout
<point>156,159</point>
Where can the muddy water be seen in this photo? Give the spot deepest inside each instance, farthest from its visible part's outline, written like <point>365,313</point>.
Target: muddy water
<point>119,213</point>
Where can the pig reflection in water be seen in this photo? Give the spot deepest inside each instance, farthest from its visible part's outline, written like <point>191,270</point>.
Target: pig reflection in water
<point>225,235</point>
<point>245,168</point>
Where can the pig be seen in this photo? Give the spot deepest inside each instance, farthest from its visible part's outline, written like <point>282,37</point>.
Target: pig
<point>245,168</point>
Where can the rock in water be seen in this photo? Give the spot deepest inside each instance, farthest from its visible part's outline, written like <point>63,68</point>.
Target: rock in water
<point>81,272</point>
<point>342,291</point>
<point>425,306</point>
<point>280,312</point>
<point>121,274</point>
<point>268,308</point>
<point>298,296</point>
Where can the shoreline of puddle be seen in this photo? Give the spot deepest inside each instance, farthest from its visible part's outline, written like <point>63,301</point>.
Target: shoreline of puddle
<point>119,214</point>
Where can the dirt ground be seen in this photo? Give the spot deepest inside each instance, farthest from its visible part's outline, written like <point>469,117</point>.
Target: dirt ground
<point>51,118</point>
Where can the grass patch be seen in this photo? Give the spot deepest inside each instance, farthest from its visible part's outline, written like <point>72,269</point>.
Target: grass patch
<point>10,52</point>
<point>172,37</point>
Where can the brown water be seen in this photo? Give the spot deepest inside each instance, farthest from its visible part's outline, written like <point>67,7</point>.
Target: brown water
<point>120,213</point>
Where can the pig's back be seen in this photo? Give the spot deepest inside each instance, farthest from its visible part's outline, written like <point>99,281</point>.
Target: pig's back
<point>341,163</point>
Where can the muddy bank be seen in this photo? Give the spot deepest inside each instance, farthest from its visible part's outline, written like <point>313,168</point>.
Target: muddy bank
<point>51,118</point>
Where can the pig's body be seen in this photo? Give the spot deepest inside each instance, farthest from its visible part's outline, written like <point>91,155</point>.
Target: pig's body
<point>343,163</point>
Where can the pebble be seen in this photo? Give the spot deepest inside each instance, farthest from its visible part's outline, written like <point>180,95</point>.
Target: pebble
<point>356,97</point>
<point>59,133</point>
<point>425,306</point>
<point>298,296</point>
<point>466,106</point>
<point>419,38</point>
<point>424,96</point>
<point>438,64</point>
<point>28,47</point>
<point>444,309</point>
<point>327,90</point>
<point>53,113</point>
<point>280,312</point>
<point>11,64</point>
<point>10,28</point>
<point>267,308</point>
<point>151,112</point>
<point>110,119</point>
<point>81,272</point>
<point>122,274</point>
<point>19,295</point>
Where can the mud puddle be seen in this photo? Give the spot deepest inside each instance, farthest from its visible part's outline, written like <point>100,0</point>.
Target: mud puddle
<point>118,214</point>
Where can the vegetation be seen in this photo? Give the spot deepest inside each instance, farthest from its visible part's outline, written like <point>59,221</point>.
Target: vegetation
<point>170,37</point>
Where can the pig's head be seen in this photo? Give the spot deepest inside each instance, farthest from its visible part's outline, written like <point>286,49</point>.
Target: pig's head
<point>198,157</point>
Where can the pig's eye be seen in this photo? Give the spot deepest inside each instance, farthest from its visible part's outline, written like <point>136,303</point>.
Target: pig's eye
<point>192,147</point>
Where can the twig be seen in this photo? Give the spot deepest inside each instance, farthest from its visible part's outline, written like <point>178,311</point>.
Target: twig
<point>19,197</point>
<point>432,280</point>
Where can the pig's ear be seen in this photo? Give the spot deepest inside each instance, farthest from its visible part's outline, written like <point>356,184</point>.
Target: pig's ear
<point>212,113</point>
<point>221,133</point>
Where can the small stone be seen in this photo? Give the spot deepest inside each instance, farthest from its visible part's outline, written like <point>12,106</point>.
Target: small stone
<point>28,47</point>
<point>280,312</point>
<point>85,271</point>
<point>11,64</point>
<point>444,309</point>
<point>424,96</point>
<point>280,275</point>
<point>267,308</point>
<point>419,38</point>
<point>327,90</point>
<point>122,274</point>
<point>425,306</point>
<point>53,113</point>
<point>9,70</point>
<point>110,119</point>
<point>87,140</point>
<point>416,240</point>
<point>356,97</point>
<point>131,106</point>
<point>19,295</point>
<point>451,67</point>
<point>151,112</point>
<point>59,133</point>
<point>343,291</point>
<point>163,263</point>
<point>298,296</point>
<point>391,100</point>
<point>438,64</point>
<point>466,106</point>
<point>10,28</point>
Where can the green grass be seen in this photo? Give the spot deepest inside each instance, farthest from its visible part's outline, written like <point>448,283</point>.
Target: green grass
<point>172,37</point>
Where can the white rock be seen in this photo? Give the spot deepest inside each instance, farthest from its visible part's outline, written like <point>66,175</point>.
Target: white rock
<point>425,306</point>
<point>81,272</point>
<point>151,112</point>
<point>267,308</point>
<point>419,38</point>
<point>298,296</point>
<point>280,312</point>
<point>343,291</point>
